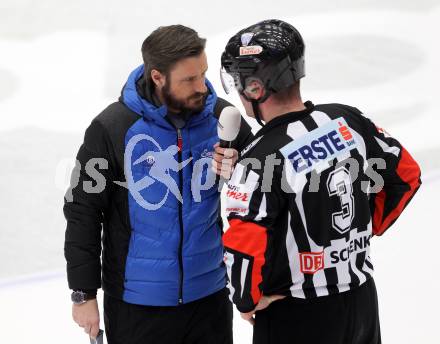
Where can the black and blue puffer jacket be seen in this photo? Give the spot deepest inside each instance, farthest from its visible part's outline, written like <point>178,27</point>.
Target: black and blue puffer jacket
<point>159,210</point>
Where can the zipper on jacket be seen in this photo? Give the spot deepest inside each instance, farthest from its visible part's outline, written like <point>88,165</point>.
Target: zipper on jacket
<point>179,160</point>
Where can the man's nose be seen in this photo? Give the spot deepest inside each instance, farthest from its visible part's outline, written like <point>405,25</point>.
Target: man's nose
<point>200,86</point>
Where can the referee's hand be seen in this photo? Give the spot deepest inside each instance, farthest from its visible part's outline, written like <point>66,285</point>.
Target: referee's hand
<point>264,302</point>
<point>86,315</point>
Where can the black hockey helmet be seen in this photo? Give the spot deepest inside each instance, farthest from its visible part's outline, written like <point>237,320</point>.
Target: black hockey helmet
<point>271,51</point>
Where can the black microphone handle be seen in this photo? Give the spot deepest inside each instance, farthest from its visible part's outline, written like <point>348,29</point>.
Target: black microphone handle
<point>225,144</point>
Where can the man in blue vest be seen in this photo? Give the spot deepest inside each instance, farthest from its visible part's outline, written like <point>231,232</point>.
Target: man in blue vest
<point>144,195</point>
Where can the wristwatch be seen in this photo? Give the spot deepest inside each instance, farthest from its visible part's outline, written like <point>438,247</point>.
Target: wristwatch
<point>79,297</point>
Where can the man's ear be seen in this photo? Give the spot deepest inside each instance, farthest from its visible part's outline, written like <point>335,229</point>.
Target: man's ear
<point>254,90</point>
<point>158,78</point>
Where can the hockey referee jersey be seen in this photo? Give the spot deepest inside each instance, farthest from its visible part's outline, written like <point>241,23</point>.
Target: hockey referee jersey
<point>305,200</point>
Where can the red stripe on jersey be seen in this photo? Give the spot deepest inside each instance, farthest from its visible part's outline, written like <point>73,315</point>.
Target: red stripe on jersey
<point>409,172</point>
<point>250,239</point>
<point>379,206</point>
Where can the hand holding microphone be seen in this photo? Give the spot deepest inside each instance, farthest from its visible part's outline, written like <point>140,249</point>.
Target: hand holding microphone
<point>228,128</point>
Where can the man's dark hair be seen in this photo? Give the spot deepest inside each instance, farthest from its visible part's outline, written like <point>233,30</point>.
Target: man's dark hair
<point>167,45</point>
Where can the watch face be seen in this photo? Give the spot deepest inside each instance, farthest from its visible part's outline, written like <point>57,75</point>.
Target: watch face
<point>78,297</point>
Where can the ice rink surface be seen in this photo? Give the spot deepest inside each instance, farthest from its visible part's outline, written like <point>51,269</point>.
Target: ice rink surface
<point>62,62</point>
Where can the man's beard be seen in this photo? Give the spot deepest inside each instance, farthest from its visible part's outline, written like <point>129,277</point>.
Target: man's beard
<point>182,105</point>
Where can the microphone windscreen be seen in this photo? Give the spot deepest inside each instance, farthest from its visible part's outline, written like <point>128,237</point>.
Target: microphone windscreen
<point>229,123</point>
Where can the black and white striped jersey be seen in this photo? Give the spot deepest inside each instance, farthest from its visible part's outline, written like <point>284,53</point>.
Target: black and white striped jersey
<point>305,200</point>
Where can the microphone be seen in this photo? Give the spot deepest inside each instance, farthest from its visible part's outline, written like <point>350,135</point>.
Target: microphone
<point>228,126</point>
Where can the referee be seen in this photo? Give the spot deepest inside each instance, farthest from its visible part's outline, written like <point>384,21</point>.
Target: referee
<point>305,199</point>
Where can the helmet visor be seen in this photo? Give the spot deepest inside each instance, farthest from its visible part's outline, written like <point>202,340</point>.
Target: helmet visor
<point>230,81</point>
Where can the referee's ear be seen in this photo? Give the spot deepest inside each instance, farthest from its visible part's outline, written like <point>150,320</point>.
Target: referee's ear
<point>254,90</point>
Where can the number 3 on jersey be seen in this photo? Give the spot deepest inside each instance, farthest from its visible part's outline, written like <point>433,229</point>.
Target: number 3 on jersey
<point>339,184</point>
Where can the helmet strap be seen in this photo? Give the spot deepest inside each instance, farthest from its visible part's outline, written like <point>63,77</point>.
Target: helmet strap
<point>257,113</point>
